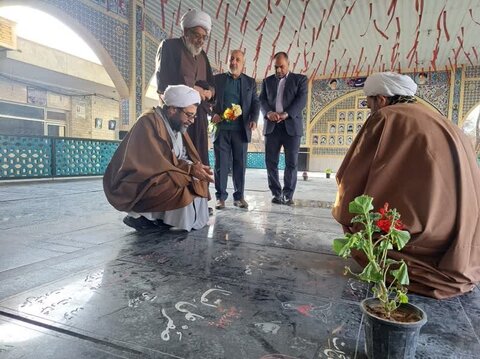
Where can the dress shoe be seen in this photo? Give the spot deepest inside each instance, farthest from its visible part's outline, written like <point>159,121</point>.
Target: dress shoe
<point>141,224</point>
<point>289,202</point>
<point>277,200</point>
<point>220,204</point>
<point>240,203</point>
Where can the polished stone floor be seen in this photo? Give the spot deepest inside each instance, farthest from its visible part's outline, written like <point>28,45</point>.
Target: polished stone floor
<point>261,283</point>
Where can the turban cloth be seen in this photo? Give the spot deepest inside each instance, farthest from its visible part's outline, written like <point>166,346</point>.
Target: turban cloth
<point>389,84</point>
<point>194,18</point>
<point>180,96</point>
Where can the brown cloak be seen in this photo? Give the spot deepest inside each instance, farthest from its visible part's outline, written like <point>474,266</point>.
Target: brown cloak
<point>424,166</point>
<point>144,174</point>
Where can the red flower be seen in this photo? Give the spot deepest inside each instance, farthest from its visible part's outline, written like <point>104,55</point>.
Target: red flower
<point>399,225</point>
<point>383,211</point>
<point>385,222</point>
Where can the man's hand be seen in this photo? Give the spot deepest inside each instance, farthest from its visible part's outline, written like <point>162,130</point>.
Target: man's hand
<point>202,172</point>
<point>282,116</point>
<point>208,94</point>
<point>273,116</point>
<point>202,93</point>
<point>253,126</point>
<point>216,118</point>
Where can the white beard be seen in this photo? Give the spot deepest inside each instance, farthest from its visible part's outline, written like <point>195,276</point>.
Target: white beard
<point>192,49</point>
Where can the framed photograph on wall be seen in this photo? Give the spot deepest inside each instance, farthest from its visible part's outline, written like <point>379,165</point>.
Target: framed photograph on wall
<point>36,96</point>
<point>112,125</point>
<point>362,102</point>
<point>98,123</point>
<point>80,110</point>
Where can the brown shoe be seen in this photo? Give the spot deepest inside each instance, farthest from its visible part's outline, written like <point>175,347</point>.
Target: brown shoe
<point>220,204</point>
<point>240,203</point>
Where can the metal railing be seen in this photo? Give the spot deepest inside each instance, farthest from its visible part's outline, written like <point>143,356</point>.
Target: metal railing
<point>44,156</point>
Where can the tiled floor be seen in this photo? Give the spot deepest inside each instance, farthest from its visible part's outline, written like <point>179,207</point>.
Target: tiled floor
<point>258,284</point>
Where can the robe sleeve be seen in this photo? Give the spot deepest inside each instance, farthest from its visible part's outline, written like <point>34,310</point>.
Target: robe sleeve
<point>164,61</point>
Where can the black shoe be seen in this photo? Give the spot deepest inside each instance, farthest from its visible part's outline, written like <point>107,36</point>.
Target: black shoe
<point>277,200</point>
<point>161,225</point>
<point>142,224</point>
<point>289,202</point>
<point>210,211</point>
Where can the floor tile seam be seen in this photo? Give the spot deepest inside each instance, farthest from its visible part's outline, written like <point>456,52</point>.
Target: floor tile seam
<point>35,246</point>
<point>86,336</point>
<point>60,233</point>
<point>65,276</point>
<point>296,213</point>
<point>41,264</point>
<point>280,247</point>
<point>359,335</point>
<point>42,197</point>
<point>469,321</point>
<point>241,283</point>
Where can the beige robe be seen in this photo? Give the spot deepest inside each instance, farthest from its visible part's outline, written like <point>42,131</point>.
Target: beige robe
<point>144,175</point>
<point>424,166</point>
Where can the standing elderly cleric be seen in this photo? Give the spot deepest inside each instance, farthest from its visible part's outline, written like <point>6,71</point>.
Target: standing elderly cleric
<point>419,162</point>
<point>183,61</point>
<point>156,175</point>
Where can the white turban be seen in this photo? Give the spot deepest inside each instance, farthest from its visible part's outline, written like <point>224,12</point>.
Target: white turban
<point>389,84</point>
<point>194,18</point>
<point>180,96</point>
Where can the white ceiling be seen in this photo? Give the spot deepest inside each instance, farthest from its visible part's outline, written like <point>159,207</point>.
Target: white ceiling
<point>335,38</point>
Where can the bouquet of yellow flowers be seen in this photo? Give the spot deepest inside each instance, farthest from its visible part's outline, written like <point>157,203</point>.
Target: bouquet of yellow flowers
<point>231,113</point>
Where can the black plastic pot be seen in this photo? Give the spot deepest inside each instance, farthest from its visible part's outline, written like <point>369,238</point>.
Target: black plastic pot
<point>387,339</point>
<point>327,175</point>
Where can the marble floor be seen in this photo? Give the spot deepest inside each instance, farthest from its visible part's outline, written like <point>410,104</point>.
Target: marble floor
<point>261,283</point>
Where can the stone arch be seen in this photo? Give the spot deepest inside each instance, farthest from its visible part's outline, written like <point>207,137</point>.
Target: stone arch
<point>99,50</point>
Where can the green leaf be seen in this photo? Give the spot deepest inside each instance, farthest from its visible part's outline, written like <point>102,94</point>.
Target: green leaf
<point>401,274</point>
<point>341,247</point>
<point>390,261</point>
<point>402,297</point>
<point>371,274</point>
<point>361,204</point>
<point>401,238</point>
<point>358,219</point>
<point>385,245</point>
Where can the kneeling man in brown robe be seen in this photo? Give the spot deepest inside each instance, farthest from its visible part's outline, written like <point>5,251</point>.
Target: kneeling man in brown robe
<point>156,175</point>
<point>422,164</point>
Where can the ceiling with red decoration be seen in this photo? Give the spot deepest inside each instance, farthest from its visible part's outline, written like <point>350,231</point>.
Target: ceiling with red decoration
<point>335,38</point>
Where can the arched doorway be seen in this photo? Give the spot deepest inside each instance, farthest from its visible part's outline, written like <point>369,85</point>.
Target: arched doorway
<point>470,124</point>
<point>57,89</point>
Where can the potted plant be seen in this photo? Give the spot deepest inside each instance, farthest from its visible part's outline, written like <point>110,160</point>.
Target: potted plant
<point>328,172</point>
<point>392,325</point>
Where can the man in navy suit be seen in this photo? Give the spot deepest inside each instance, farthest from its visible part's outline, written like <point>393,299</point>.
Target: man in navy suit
<point>231,138</point>
<point>283,98</point>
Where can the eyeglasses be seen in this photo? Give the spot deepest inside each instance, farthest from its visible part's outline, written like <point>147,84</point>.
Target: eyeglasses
<point>198,36</point>
<point>189,115</point>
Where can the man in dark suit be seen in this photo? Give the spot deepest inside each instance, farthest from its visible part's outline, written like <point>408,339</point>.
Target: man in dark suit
<point>231,138</point>
<point>283,98</point>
